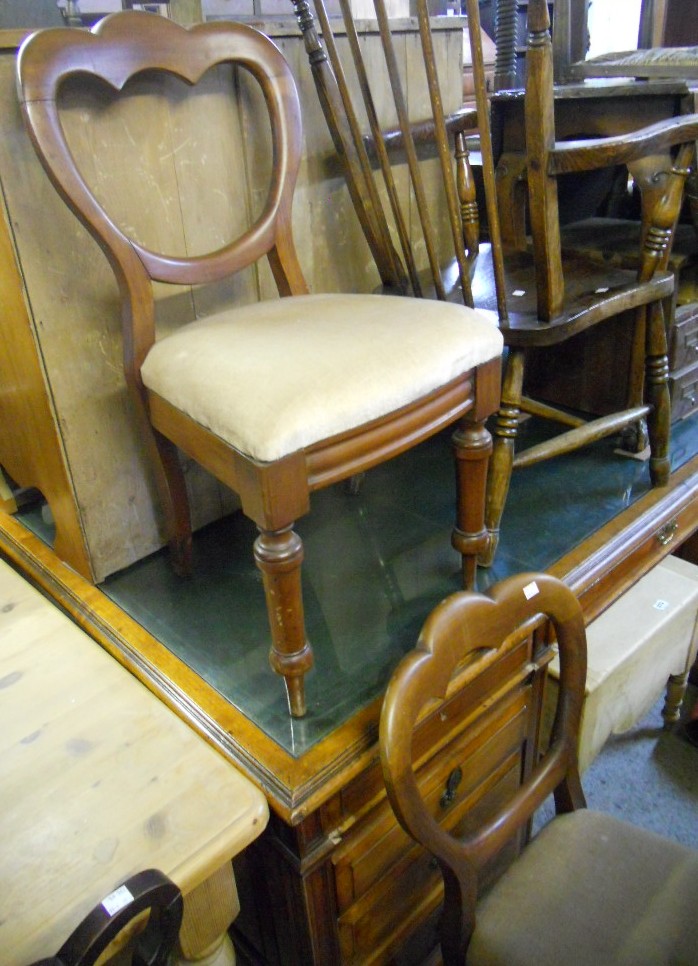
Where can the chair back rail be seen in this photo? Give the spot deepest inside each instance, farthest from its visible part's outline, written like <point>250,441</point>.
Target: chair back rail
<point>475,627</point>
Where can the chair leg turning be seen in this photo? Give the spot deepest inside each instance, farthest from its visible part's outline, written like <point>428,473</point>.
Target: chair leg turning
<point>675,693</point>
<point>472,444</point>
<point>279,555</point>
<point>502,462</point>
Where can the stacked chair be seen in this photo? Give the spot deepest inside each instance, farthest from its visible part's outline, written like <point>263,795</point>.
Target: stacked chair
<point>542,296</point>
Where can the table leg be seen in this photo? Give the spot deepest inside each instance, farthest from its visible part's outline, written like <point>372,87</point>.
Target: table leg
<point>208,912</point>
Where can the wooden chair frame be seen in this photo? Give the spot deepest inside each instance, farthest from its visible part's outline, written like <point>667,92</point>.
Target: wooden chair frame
<point>469,627</point>
<point>273,494</point>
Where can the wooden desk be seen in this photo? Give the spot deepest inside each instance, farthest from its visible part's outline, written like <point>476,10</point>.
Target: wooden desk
<point>332,879</point>
<point>100,780</point>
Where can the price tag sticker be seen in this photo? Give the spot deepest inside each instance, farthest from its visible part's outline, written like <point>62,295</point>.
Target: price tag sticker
<point>661,604</point>
<point>117,900</point>
<point>531,590</point>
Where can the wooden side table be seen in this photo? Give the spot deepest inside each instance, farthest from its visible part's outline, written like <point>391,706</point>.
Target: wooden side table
<point>99,779</point>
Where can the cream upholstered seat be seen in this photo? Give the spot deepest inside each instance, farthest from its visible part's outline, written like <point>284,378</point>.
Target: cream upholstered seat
<point>210,368</point>
<point>589,889</point>
<point>278,398</point>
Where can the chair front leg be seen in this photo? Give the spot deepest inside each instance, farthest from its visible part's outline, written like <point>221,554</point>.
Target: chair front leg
<point>472,446</point>
<point>501,465</point>
<point>658,397</point>
<point>279,556</point>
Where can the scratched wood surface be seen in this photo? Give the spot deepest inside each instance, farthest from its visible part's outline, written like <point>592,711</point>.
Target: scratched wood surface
<point>100,780</point>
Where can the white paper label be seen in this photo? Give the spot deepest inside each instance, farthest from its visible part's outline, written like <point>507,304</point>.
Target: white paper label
<point>530,590</point>
<point>661,604</point>
<point>117,900</point>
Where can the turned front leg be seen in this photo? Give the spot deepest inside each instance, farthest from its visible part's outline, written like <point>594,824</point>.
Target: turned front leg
<point>279,555</point>
<point>502,462</point>
<point>675,693</point>
<point>472,445</point>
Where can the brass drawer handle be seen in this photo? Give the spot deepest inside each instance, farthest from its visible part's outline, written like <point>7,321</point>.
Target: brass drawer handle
<point>452,783</point>
<point>668,532</point>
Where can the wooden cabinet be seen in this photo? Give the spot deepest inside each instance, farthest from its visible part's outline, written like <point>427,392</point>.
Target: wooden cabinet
<point>683,361</point>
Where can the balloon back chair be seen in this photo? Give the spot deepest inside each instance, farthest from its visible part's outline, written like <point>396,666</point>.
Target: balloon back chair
<point>542,297</point>
<point>283,396</point>
<point>588,888</point>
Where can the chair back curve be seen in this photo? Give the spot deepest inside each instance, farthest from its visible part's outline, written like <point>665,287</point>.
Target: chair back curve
<point>118,49</point>
<point>474,627</point>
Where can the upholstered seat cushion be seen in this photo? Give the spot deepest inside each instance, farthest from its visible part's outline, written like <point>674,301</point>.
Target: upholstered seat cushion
<point>592,890</point>
<point>278,376</point>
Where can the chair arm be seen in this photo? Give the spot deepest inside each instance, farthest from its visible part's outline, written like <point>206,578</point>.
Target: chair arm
<point>423,131</point>
<point>573,156</point>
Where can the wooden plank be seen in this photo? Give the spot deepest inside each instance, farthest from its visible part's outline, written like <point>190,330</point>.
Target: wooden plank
<point>30,447</point>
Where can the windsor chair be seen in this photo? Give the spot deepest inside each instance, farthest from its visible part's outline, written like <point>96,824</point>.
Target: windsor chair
<point>542,296</point>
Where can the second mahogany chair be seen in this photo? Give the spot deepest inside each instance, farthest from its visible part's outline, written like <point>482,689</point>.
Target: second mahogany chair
<point>542,297</point>
<point>283,396</point>
<point>589,889</point>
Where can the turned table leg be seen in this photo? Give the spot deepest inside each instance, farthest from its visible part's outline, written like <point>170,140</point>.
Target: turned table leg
<point>208,912</point>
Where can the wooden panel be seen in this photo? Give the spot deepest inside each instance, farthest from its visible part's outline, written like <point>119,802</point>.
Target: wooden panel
<point>683,337</point>
<point>31,449</point>
<point>683,386</point>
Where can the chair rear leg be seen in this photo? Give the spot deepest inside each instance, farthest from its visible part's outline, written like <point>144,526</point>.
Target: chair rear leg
<point>657,388</point>
<point>279,556</point>
<point>175,504</point>
<point>501,464</point>
<point>472,445</point>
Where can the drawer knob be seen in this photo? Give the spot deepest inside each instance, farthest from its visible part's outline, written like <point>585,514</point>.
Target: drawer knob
<point>668,532</point>
<point>452,783</point>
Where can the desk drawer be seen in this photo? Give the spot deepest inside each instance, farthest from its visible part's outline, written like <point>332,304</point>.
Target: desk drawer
<point>452,718</point>
<point>683,338</point>
<point>683,386</point>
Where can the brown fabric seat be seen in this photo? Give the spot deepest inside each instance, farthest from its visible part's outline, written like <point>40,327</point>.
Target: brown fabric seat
<point>593,890</point>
